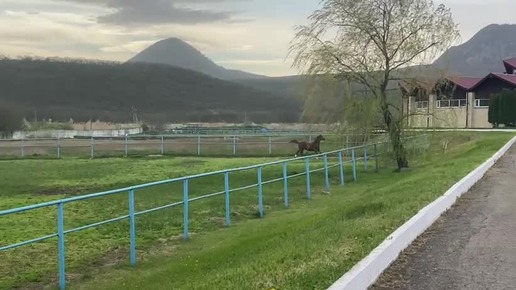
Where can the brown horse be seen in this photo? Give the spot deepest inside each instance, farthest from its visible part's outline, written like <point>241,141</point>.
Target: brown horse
<point>313,147</point>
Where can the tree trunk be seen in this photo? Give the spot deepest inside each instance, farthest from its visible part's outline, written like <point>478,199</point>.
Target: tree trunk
<point>394,130</point>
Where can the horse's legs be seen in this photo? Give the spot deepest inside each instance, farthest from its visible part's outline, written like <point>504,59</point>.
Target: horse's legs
<point>297,152</point>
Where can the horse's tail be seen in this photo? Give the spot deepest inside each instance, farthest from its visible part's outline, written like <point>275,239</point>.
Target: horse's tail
<point>294,141</point>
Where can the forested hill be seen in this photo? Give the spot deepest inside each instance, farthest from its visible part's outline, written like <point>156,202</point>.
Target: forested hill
<point>64,89</point>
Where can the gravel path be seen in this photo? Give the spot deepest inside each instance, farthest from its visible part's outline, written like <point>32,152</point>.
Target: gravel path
<point>472,246</point>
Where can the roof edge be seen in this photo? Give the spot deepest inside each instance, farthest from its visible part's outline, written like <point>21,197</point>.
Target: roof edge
<point>477,80</point>
<point>490,75</point>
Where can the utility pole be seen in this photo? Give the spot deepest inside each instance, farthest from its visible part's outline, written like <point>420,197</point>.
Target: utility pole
<point>135,115</point>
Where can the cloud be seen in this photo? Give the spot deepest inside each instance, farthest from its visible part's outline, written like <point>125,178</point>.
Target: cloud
<point>141,12</point>
<point>70,28</point>
<point>50,28</point>
<point>49,34</point>
<point>131,47</point>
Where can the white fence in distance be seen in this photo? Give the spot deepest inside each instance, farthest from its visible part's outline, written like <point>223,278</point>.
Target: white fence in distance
<point>181,145</point>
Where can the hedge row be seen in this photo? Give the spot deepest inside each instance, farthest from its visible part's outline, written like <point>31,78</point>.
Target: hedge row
<point>502,108</point>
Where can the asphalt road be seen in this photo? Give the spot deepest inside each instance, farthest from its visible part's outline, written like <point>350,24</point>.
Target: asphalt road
<point>472,246</point>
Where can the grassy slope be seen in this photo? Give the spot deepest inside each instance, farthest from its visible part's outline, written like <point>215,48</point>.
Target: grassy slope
<point>300,244</point>
<point>29,181</point>
<point>313,243</point>
<point>26,182</point>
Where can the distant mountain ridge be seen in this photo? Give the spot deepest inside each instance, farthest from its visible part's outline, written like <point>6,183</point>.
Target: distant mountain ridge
<point>481,54</point>
<point>173,81</point>
<point>176,52</point>
<point>477,57</point>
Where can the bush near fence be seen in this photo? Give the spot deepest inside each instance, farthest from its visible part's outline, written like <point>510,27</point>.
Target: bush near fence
<point>149,199</point>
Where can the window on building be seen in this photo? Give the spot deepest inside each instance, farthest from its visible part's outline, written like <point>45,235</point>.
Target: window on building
<point>452,103</point>
<point>481,103</point>
<point>421,105</point>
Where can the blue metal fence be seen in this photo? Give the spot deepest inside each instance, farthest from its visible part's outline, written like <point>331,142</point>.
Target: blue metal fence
<point>132,213</point>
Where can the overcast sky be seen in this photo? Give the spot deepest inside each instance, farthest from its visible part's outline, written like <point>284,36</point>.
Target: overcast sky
<point>251,35</point>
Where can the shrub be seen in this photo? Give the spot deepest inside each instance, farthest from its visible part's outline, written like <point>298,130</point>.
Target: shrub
<point>502,108</point>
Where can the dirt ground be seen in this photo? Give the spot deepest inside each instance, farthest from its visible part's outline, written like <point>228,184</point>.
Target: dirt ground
<point>472,246</point>
<point>176,146</point>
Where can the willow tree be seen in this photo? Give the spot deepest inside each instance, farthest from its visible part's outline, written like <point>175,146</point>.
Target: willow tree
<point>372,43</point>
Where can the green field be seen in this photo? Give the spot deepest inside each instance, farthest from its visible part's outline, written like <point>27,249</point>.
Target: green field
<point>307,246</point>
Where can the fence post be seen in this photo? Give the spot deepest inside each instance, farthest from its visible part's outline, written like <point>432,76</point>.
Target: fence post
<point>326,174</point>
<point>22,147</point>
<point>132,228</point>
<point>199,145</point>
<point>354,162</point>
<point>365,158</point>
<point>126,146</point>
<point>375,146</point>
<point>234,145</point>
<point>58,148</point>
<point>308,186</point>
<point>226,189</point>
<point>92,147</point>
<point>285,184</point>
<point>310,138</point>
<point>61,245</point>
<point>270,145</point>
<point>385,157</point>
<point>260,191</point>
<point>185,208</point>
<point>162,149</point>
<point>341,167</point>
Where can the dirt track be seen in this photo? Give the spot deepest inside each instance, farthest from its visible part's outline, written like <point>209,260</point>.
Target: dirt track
<point>180,146</point>
<point>473,246</point>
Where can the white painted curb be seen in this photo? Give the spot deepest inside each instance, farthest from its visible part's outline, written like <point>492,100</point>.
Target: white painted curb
<point>365,272</point>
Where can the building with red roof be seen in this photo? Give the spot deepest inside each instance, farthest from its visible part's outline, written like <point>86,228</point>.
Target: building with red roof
<point>492,84</point>
<point>454,87</point>
<point>463,102</point>
<point>510,65</point>
<point>465,83</point>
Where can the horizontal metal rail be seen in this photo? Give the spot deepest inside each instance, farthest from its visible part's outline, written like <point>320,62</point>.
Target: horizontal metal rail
<point>172,180</point>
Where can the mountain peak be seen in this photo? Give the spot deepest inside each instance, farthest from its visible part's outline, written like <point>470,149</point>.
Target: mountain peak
<point>177,52</point>
<point>497,26</point>
<point>173,41</point>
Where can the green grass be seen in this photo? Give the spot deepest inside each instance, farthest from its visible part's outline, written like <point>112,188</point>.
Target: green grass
<point>306,246</point>
<point>31,181</point>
